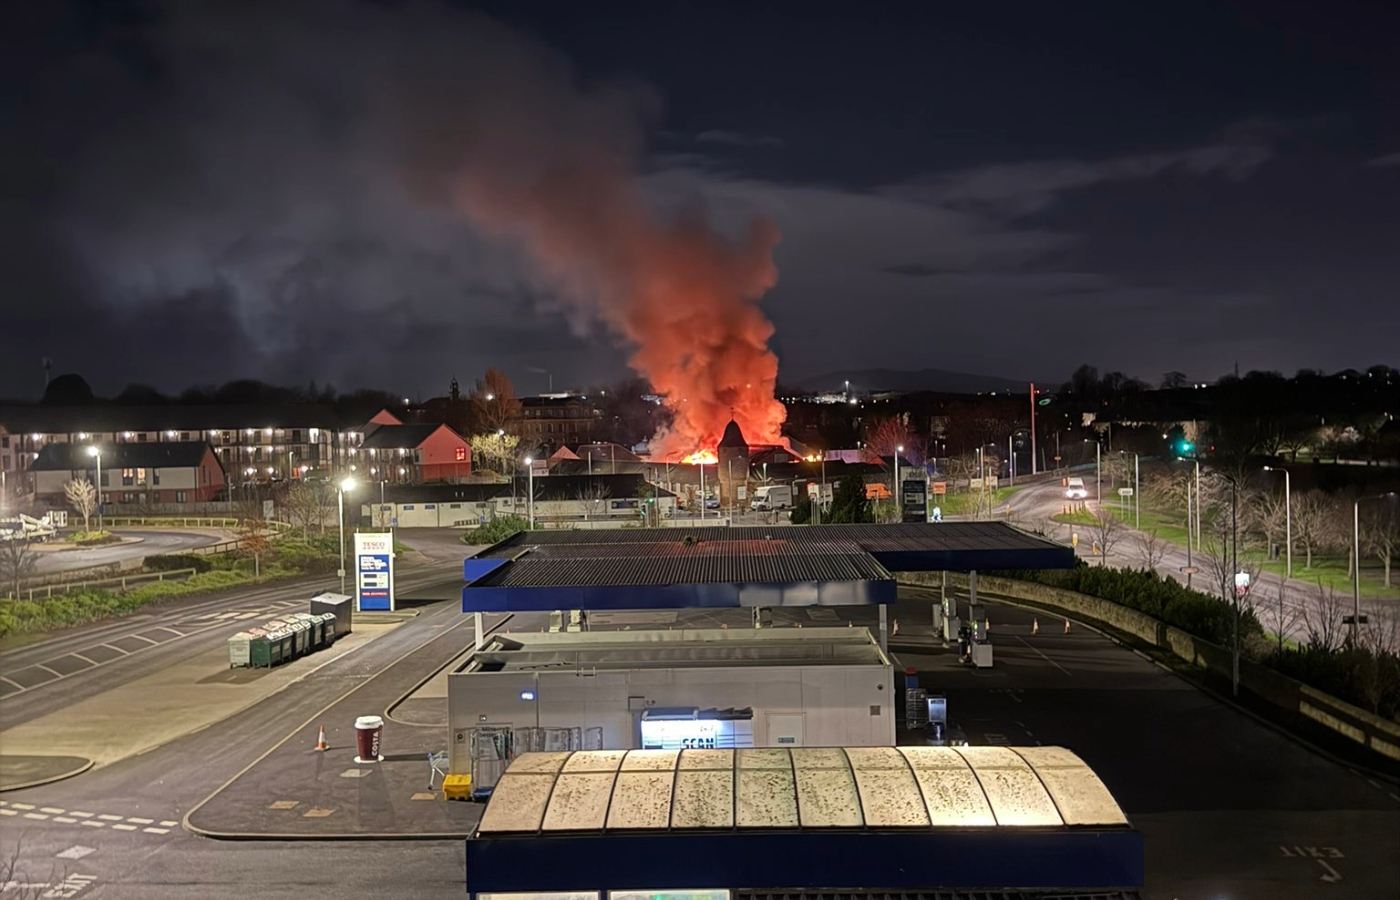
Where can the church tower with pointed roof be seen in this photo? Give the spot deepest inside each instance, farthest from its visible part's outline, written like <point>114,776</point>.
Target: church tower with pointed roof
<point>733,467</point>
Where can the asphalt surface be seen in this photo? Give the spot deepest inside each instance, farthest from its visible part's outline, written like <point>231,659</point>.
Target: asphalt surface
<point>150,543</point>
<point>1035,505</point>
<point>1229,806</point>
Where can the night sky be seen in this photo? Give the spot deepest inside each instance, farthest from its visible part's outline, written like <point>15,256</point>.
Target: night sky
<point>197,192</point>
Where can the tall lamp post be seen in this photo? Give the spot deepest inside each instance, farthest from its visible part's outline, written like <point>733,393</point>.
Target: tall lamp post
<point>346,485</point>
<point>898,506</point>
<point>530,490</point>
<point>1287,517</point>
<point>1356,559</point>
<point>96,453</point>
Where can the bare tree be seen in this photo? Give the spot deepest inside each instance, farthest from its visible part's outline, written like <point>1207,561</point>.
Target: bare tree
<point>496,447</point>
<point>1310,519</point>
<point>1279,616</point>
<point>1151,548</point>
<point>1267,514</point>
<point>82,496</point>
<point>1322,619</point>
<point>17,561</point>
<point>1377,638</point>
<point>591,495</point>
<point>303,507</point>
<point>1380,534</point>
<point>1106,531</point>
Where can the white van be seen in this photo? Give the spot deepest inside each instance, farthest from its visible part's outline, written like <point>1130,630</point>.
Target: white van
<point>1075,489</point>
<point>771,496</point>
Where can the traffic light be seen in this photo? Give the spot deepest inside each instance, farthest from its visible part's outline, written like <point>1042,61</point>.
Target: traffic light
<point>1184,447</point>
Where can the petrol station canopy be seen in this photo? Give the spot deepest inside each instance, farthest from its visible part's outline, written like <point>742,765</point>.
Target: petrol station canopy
<point>867,817</point>
<point>748,566</point>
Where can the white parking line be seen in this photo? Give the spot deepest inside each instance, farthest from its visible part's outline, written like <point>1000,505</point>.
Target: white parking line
<point>140,638</point>
<point>15,683</point>
<point>118,649</point>
<point>46,669</point>
<point>84,658</point>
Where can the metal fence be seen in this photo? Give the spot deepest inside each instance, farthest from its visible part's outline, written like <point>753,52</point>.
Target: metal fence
<point>120,583</point>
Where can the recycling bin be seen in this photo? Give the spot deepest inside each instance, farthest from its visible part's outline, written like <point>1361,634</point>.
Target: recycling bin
<point>279,644</point>
<point>239,650</point>
<point>259,648</point>
<point>315,631</point>
<point>369,733</point>
<point>328,626</point>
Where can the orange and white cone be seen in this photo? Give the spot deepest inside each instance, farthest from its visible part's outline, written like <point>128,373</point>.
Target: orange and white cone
<point>1035,626</point>
<point>321,739</point>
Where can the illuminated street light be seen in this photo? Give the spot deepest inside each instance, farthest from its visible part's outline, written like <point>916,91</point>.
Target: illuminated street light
<point>346,485</point>
<point>96,453</point>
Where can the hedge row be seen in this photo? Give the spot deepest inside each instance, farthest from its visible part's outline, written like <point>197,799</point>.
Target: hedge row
<point>1162,598</point>
<point>1361,676</point>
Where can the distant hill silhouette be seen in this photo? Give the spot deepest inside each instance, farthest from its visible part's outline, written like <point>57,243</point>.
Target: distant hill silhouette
<point>865,380</point>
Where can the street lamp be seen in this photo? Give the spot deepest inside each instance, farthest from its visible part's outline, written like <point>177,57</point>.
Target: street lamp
<point>898,505</point>
<point>530,488</point>
<point>96,453</point>
<point>1287,516</point>
<point>1356,559</point>
<point>346,485</point>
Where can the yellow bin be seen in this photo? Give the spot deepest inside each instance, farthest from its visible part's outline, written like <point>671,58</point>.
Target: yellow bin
<point>457,787</point>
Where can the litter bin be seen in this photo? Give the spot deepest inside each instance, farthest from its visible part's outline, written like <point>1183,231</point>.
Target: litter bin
<point>259,648</point>
<point>315,631</point>
<point>369,731</point>
<point>279,643</point>
<point>328,626</point>
<point>239,650</point>
<point>299,634</point>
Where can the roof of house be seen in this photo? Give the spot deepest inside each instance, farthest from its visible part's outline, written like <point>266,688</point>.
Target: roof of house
<point>114,417</point>
<point>157,455</point>
<point>402,437</point>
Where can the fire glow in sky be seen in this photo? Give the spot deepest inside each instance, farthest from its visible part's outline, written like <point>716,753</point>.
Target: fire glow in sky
<point>553,169</point>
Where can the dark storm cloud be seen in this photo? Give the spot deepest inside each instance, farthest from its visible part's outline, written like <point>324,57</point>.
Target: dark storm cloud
<point>226,190</point>
<point>200,191</point>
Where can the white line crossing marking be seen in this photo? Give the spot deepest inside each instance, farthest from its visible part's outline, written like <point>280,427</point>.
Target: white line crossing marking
<point>24,806</point>
<point>51,810</point>
<point>169,823</point>
<point>8,812</point>
<point>108,817</point>
<point>66,820</point>
<point>94,823</point>
<point>79,813</point>
<point>139,821</point>
<point>124,827</point>
<point>156,830</point>
<point>35,816</point>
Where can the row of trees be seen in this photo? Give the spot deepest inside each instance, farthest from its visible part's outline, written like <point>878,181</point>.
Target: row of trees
<point>1322,522</point>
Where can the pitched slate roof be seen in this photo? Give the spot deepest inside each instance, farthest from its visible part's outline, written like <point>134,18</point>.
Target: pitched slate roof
<point>160,455</point>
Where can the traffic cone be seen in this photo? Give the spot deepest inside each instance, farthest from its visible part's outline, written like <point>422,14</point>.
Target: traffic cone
<point>1035,626</point>
<point>1066,626</point>
<point>321,740</point>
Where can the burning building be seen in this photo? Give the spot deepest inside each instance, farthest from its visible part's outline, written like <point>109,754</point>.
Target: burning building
<point>732,463</point>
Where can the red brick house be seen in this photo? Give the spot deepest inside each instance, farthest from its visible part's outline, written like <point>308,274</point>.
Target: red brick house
<point>154,473</point>
<point>401,454</point>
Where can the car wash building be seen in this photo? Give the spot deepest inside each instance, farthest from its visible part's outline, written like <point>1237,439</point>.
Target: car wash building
<point>807,823</point>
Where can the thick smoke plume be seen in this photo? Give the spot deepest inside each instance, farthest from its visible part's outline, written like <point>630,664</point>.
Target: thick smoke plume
<point>559,173</point>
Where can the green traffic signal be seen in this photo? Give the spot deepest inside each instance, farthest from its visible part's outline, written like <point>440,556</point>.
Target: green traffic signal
<point>1184,446</point>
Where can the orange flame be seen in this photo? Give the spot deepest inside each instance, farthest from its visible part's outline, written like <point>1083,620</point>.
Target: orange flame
<point>701,458</point>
